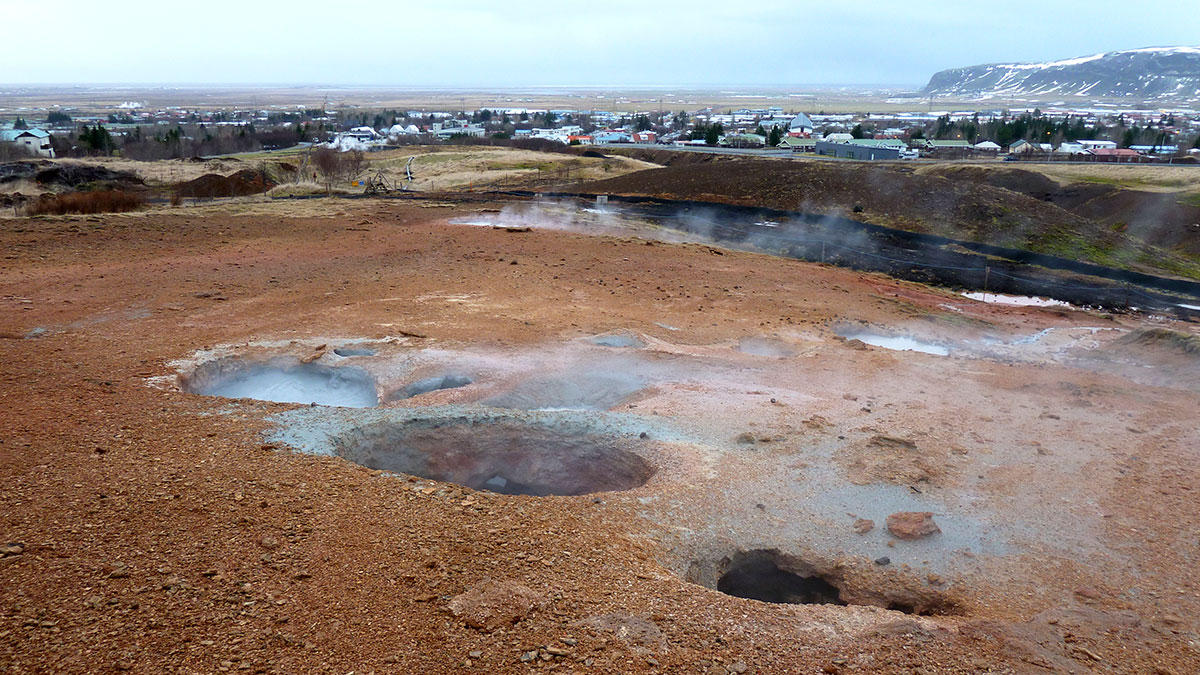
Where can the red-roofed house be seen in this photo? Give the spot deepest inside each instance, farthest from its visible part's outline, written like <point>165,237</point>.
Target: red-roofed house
<point>1120,154</point>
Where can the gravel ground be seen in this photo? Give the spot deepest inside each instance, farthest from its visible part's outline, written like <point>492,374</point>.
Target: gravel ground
<point>147,529</point>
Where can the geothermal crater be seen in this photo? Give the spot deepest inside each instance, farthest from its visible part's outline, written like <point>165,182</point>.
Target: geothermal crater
<point>283,380</point>
<point>509,456</point>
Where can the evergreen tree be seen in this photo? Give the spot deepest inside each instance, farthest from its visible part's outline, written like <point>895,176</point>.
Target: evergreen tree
<point>20,125</point>
<point>713,134</point>
<point>775,137</point>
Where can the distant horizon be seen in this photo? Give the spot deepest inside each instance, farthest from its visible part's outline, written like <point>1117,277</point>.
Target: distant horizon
<point>729,87</point>
<point>480,45</point>
<point>708,87</point>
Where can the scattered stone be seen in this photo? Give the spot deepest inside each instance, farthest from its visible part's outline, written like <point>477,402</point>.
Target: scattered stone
<point>863,525</point>
<point>883,561</point>
<point>11,548</point>
<point>119,571</point>
<point>634,630</point>
<point>1087,593</point>
<point>490,604</point>
<point>475,654</point>
<point>910,525</point>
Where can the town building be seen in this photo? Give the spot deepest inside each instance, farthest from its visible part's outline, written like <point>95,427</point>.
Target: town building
<point>800,126</point>
<point>798,144</point>
<point>35,141</point>
<point>862,149</point>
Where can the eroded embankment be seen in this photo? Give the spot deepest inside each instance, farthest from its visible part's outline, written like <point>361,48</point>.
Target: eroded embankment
<point>913,256</point>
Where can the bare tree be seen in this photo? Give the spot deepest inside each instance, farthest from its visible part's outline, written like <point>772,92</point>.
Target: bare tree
<point>354,163</point>
<point>328,163</point>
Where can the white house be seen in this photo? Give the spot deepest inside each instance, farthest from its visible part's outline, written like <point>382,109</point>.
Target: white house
<point>1098,145</point>
<point>457,128</point>
<point>36,141</point>
<point>1020,146</point>
<point>401,130</point>
<point>800,125</point>
<point>987,146</point>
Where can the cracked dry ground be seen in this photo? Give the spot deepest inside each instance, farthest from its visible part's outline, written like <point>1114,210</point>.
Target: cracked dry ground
<point>149,530</point>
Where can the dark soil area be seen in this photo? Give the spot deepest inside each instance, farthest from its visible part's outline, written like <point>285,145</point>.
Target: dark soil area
<point>239,184</point>
<point>668,157</point>
<point>73,176</point>
<point>878,194</point>
<point>897,197</point>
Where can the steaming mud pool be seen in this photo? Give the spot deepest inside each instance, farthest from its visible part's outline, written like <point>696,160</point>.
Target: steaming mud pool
<point>284,380</point>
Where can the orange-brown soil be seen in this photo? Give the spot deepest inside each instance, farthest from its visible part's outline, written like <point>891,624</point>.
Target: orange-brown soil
<point>146,529</point>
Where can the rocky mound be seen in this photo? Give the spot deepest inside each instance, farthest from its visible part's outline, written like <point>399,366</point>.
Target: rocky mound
<point>1164,339</point>
<point>11,172</point>
<point>1165,219</point>
<point>76,176</point>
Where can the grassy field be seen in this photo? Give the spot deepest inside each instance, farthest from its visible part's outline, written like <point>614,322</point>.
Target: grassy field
<point>1149,177</point>
<point>459,167</point>
<point>436,168</point>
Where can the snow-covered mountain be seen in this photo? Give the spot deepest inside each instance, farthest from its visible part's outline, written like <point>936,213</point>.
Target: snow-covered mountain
<point>1171,73</point>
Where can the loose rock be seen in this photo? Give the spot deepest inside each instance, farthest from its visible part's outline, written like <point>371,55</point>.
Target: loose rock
<point>490,604</point>
<point>863,525</point>
<point>910,525</point>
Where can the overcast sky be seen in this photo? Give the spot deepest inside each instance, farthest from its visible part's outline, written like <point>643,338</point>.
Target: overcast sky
<point>538,42</point>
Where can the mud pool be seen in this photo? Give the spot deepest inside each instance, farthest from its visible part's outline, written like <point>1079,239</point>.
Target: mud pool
<point>283,380</point>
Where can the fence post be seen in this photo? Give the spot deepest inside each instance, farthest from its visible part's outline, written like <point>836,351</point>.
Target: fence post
<point>987,271</point>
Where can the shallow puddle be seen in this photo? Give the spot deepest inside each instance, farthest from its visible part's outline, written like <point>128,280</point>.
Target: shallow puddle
<point>902,343</point>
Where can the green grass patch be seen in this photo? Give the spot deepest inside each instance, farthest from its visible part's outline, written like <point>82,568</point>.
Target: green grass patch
<point>1117,252</point>
<point>1136,182</point>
